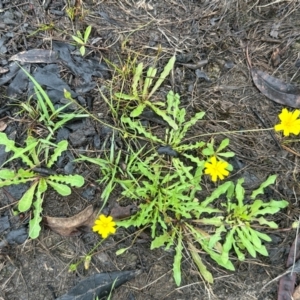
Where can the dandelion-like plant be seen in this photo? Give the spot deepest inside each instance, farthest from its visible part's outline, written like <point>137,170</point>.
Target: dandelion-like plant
<point>216,168</point>
<point>104,226</point>
<point>289,122</point>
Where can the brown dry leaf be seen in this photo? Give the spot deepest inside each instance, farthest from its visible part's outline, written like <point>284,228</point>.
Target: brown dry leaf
<point>296,295</point>
<point>3,126</point>
<point>122,212</point>
<point>275,89</point>
<point>36,56</point>
<point>69,226</point>
<point>275,58</point>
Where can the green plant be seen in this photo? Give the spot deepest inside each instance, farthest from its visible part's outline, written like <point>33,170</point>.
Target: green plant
<point>165,178</point>
<point>141,94</point>
<point>34,155</point>
<point>240,220</point>
<point>81,39</point>
<point>45,112</point>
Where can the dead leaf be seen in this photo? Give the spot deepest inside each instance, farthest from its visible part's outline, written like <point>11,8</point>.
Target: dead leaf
<point>36,56</point>
<point>100,285</point>
<point>287,282</point>
<point>3,70</point>
<point>296,295</point>
<point>3,126</point>
<point>122,212</point>
<point>275,57</point>
<point>70,226</point>
<point>275,89</point>
<point>274,30</point>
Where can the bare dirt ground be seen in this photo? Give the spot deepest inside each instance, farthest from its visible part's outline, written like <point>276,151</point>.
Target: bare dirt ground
<point>210,39</point>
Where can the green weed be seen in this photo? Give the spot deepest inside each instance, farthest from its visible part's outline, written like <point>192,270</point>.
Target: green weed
<point>34,155</point>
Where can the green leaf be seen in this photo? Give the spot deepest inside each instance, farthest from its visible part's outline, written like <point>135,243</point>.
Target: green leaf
<point>134,125</point>
<point>239,254</point>
<point>262,250</point>
<point>60,188</point>
<point>260,190</point>
<point>216,237</point>
<point>209,151</point>
<point>148,81</point>
<point>34,223</point>
<point>263,236</point>
<point>250,248</point>
<point>252,236</point>
<point>198,116</point>
<point>125,96</point>
<point>162,114</point>
<point>168,68</point>
<point>74,180</point>
<point>201,267</point>
<point>87,33</point>
<point>239,192</point>
<point>138,110</point>
<point>18,152</point>
<point>195,146</point>
<point>82,50</point>
<point>255,206</point>
<point>227,154</point>
<point>7,174</point>
<point>136,79</point>
<point>159,241</point>
<point>263,221</point>
<point>26,200</point>
<point>77,40</point>
<point>222,189</point>
<point>122,250</point>
<point>177,260</point>
<point>61,147</point>
<point>227,245</point>
<point>223,145</point>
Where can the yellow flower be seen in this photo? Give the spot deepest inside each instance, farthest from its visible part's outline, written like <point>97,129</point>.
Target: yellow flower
<point>216,169</point>
<point>104,226</point>
<point>289,122</point>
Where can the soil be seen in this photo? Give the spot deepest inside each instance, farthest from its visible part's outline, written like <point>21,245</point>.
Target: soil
<point>212,74</point>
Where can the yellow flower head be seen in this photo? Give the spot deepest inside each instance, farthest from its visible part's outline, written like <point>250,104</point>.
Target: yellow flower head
<point>216,169</point>
<point>104,226</point>
<point>289,122</point>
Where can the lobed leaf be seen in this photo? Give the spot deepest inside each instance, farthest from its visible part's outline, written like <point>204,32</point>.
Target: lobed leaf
<point>222,189</point>
<point>60,188</point>
<point>160,241</point>
<point>270,180</point>
<point>138,110</point>
<point>58,150</point>
<point>162,114</point>
<point>34,223</point>
<point>18,152</point>
<point>73,180</point>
